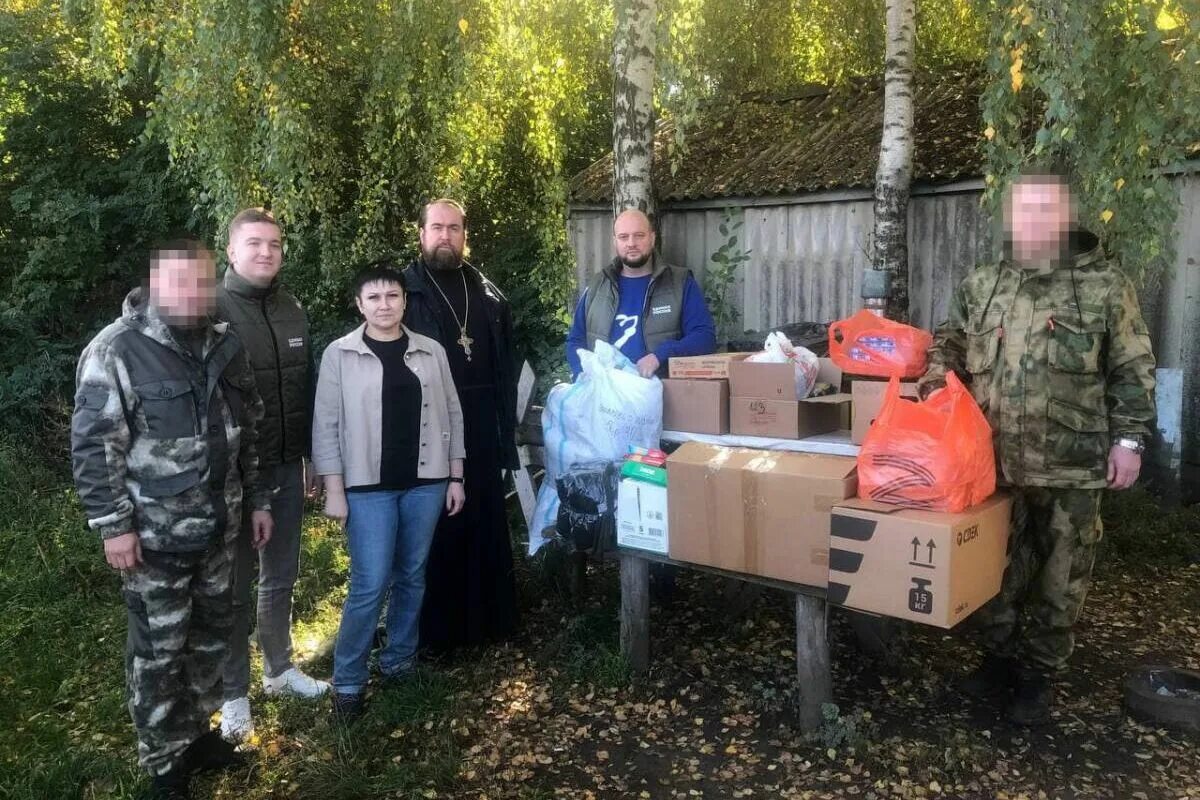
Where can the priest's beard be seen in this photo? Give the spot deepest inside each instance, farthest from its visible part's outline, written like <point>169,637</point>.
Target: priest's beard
<point>443,257</point>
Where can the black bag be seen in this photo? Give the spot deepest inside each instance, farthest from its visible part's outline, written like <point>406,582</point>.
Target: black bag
<point>587,494</point>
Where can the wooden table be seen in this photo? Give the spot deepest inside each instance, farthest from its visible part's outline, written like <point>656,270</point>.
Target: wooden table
<point>813,673</point>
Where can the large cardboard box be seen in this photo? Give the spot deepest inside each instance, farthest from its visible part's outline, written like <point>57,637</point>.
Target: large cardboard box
<point>788,419</point>
<point>775,381</point>
<point>642,516</point>
<point>918,565</point>
<point>758,512</point>
<point>696,406</point>
<point>868,400</point>
<point>710,367</point>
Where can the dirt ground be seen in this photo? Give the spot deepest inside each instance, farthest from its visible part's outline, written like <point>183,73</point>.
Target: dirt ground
<point>713,717</point>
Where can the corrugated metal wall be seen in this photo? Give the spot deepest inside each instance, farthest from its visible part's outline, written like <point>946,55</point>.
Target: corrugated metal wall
<point>806,259</point>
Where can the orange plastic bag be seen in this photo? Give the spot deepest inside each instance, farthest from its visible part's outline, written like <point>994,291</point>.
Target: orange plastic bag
<point>868,344</point>
<point>934,455</point>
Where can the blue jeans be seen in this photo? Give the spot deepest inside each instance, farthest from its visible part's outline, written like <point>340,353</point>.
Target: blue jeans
<point>389,535</point>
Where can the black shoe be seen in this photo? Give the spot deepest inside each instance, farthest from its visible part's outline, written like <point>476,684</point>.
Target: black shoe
<point>211,752</point>
<point>173,785</point>
<point>994,676</point>
<point>1032,699</point>
<point>347,707</point>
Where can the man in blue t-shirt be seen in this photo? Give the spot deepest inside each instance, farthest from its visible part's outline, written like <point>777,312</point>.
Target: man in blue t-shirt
<point>648,309</point>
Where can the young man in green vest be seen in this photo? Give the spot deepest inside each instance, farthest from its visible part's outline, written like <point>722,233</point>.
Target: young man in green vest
<point>648,309</point>
<point>274,330</point>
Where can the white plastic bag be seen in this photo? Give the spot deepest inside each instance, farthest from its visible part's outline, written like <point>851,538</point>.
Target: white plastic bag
<point>608,408</point>
<point>778,349</point>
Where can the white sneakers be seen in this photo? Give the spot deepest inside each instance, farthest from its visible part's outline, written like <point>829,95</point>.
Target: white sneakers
<point>295,683</point>
<point>237,724</point>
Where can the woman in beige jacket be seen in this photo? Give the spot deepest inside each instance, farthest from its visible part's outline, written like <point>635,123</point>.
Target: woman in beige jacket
<point>388,441</point>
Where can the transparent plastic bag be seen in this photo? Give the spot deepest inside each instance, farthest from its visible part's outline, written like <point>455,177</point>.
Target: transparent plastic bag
<point>608,409</point>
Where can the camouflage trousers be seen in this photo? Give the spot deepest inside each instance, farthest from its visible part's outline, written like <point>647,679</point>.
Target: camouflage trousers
<point>180,621</point>
<point>1051,550</point>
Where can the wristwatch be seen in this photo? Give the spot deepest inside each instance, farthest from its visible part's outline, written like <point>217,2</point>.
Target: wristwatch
<point>1132,443</point>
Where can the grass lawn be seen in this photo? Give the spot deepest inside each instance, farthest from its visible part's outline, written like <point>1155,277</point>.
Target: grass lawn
<point>553,714</point>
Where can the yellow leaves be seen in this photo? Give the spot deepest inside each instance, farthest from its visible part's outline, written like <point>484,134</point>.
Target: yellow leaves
<point>1015,70</point>
<point>989,133</point>
<point>463,25</point>
<point>1106,215</point>
<point>1166,21</point>
<point>1119,183</point>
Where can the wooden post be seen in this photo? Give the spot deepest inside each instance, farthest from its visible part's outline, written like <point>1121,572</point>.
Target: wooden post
<point>812,661</point>
<point>635,612</point>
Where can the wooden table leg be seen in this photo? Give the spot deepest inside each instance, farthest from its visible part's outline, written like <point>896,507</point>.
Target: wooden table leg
<point>812,661</point>
<point>635,612</point>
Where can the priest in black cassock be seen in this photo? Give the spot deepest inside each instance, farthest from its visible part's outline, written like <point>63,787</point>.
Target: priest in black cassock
<point>470,595</point>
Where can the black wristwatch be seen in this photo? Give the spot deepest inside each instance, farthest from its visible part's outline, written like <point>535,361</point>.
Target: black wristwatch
<point>456,480</point>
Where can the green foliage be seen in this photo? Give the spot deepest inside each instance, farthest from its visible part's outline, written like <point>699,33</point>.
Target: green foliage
<point>1110,89</point>
<point>82,196</point>
<point>722,273</point>
<point>346,117</point>
<point>838,731</point>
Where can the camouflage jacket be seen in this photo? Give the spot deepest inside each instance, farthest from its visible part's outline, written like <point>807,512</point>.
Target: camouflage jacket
<point>1059,360</point>
<point>163,443</point>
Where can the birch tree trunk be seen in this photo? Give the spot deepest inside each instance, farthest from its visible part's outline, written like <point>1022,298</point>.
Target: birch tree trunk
<point>894,174</point>
<point>633,105</point>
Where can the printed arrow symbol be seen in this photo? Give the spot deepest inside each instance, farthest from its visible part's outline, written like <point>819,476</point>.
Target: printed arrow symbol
<point>916,543</point>
<point>931,546</point>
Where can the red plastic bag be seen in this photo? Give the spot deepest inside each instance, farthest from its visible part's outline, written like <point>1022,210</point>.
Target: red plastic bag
<point>868,344</point>
<point>934,455</point>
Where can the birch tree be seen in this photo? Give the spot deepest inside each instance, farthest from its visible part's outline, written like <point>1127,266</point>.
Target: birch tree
<point>894,173</point>
<point>633,105</point>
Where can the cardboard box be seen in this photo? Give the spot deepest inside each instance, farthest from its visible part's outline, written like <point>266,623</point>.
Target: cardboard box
<point>918,565</point>
<point>868,399</point>
<point>775,381</point>
<point>788,419</point>
<point>642,516</point>
<point>696,406</point>
<point>710,367</point>
<point>757,512</point>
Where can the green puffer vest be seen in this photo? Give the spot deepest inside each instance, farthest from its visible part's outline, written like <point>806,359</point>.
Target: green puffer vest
<point>661,315</point>
<point>274,330</point>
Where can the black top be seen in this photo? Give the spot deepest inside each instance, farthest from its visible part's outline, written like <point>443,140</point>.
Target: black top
<point>401,419</point>
<point>477,372</point>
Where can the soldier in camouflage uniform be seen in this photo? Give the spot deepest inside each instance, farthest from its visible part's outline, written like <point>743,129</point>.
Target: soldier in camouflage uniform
<point>1052,343</point>
<point>163,445</point>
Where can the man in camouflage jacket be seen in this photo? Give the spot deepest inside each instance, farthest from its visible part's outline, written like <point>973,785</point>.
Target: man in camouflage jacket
<point>163,447</point>
<point>1052,342</point>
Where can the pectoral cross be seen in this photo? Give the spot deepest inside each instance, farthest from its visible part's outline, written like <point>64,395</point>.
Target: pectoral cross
<point>465,342</point>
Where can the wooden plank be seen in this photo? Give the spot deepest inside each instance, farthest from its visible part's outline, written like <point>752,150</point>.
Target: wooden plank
<point>523,477</point>
<point>771,583</point>
<point>635,612</point>
<point>812,661</point>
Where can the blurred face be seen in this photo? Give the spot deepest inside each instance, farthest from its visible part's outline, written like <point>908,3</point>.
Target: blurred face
<point>382,305</point>
<point>633,238</point>
<point>256,252</point>
<point>183,286</point>
<point>1039,215</point>
<point>443,237</point>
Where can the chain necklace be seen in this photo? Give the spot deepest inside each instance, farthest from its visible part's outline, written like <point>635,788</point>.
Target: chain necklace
<point>463,340</point>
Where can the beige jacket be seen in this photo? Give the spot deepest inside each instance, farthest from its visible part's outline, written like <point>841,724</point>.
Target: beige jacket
<point>348,416</point>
